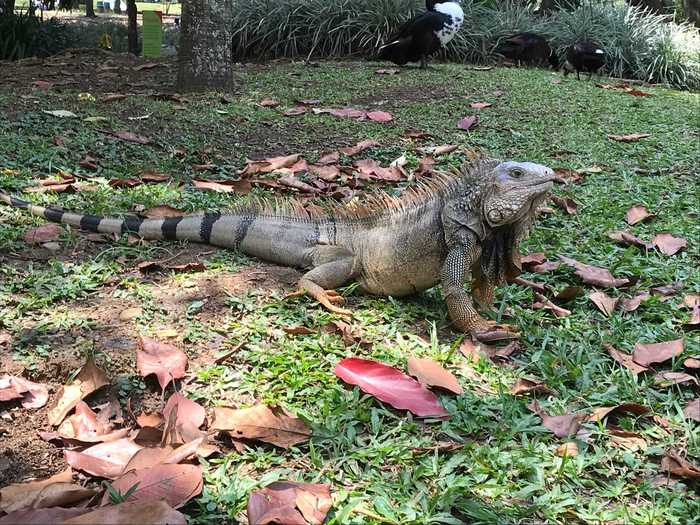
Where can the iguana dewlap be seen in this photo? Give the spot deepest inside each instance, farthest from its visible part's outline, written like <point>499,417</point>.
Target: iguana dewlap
<point>439,231</point>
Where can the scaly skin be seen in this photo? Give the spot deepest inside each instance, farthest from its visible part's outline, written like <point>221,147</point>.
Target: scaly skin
<point>441,231</point>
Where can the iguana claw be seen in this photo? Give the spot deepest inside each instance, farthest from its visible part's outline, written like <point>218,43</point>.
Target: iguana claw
<point>327,298</point>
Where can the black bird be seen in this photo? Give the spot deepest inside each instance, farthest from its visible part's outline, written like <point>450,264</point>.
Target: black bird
<point>424,34</point>
<point>528,48</point>
<point>584,56</point>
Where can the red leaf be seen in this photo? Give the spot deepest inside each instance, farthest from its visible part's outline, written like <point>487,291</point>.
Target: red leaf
<point>175,484</point>
<point>380,116</point>
<point>106,460</point>
<point>637,214</point>
<point>646,354</point>
<point>33,395</point>
<point>594,275</point>
<point>164,360</point>
<point>290,503</point>
<point>468,122</point>
<point>431,373</point>
<point>44,233</point>
<point>389,385</point>
<point>668,244</point>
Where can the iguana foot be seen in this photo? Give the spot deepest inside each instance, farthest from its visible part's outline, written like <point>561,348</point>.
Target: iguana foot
<point>327,298</point>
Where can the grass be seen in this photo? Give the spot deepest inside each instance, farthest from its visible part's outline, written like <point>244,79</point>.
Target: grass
<point>384,465</point>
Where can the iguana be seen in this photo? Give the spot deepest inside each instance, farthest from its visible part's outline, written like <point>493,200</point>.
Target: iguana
<point>437,231</point>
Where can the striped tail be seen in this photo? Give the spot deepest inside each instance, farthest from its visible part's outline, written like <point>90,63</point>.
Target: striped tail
<point>195,228</point>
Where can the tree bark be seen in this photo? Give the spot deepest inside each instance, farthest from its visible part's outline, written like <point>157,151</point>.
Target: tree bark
<point>205,56</point>
<point>691,9</point>
<point>133,30</point>
<point>90,8</point>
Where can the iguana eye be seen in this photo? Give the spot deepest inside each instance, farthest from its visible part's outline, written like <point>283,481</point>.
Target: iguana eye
<point>516,173</point>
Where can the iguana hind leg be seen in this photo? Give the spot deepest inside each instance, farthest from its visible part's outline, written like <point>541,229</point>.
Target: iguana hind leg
<point>333,267</point>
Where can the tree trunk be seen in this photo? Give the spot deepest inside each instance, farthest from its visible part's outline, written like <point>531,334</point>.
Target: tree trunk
<point>90,8</point>
<point>205,56</point>
<point>7,7</point>
<point>691,9</point>
<point>117,7</point>
<point>133,32</point>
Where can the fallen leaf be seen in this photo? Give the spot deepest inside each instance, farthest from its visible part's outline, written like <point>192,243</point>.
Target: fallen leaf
<point>128,136</point>
<point>162,211</point>
<point>480,105</point>
<point>692,410</point>
<point>431,373</point>
<point>468,122</point>
<point>565,203</point>
<point>547,266</point>
<point>624,359</point>
<point>632,303</point>
<point>289,503</point>
<point>89,163</point>
<point>44,233</point>
<point>561,426</point>
<point>667,379</point>
<point>359,147</point>
<point>593,274</point>
<point>529,386</point>
<point>673,463</point>
<point>273,164</point>
<point>89,379</point>
<point>142,512</point>
<point>389,385</point>
<point>646,354</point>
<point>568,293</point>
<point>33,395</point>
<point>261,423</point>
<point>295,111</point>
<point>668,244</point>
<point>309,102</point>
<point>443,150</point>
<point>106,460</point>
<point>50,516</point>
<point>166,361</point>
<point>633,443</point>
<point>62,113</point>
<point>667,289</point>
<point>114,97</point>
<point>691,300</point>
<point>628,239</point>
<point>152,419</point>
<point>241,187</point>
<point>184,416</point>
<point>630,137</point>
<point>637,214</point>
<point>600,413</point>
<point>566,175</point>
<point>297,330</point>
<point>544,303</point>
<point>174,484</point>
<point>147,65</point>
<point>268,102</point>
<point>387,71</point>
<point>42,84</point>
<point>605,303</point>
<point>693,324</point>
<point>537,286</point>
<point>533,258</point>
<point>410,133</point>
<point>154,266</point>
<point>380,116</point>
<point>568,449</point>
<point>22,496</point>
<point>497,332</point>
<point>87,427</point>
<point>292,182</point>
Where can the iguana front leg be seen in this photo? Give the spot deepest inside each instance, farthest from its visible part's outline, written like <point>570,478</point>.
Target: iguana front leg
<point>333,267</point>
<point>454,273</point>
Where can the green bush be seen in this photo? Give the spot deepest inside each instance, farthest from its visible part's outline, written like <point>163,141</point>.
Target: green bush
<point>87,33</point>
<point>24,35</point>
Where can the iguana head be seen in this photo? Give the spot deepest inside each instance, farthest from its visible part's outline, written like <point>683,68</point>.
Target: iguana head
<point>515,191</point>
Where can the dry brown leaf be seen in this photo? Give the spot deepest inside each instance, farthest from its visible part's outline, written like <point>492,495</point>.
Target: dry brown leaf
<point>567,175</point>
<point>89,379</point>
<point>162,211</point>
<point>164,360</point>
<point>261,423</point>
<point>289,503</point>
<point>105,460</point>
<point>50,516</point>
<point>546,304</point>
<point>537,286</point>
<point>692,410</point>
<point>545,267</point>
<point>183,417</point>
<point>172,483</point>
<point>629,137</point>
<point>673,463</point>
<point>565,203</point>
<point>143,512</point>
<point>628,239</point>
<point>560,426</point>
<point>241,187</point>
<point>529,386</point>
<point>359,147</point>
<point>480,105</point>
<point>531,259</point>
<point>646,354</point>
<point>600,413</point>
<point>149,420</point>
<point>632,443</point>
<point>432,373</point>
<point>387,71</point>
<point>21,496</point>
<point>569,449</point>
<point>268,102</point>
<point>694,321</point>
<point>605,303</point>
<point>86,426</point>
<point>295,111</point>
<point>593,274</point>
<point>691,362</point>
<point>638,214</point>
<point>632,303</point>
<point>666,379</point>
<point>33,395</point>
<point>668,244</point>
<point>691,300</point>
<point>44,233</point>
<point>624,359</point>
<point>468,122</point>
